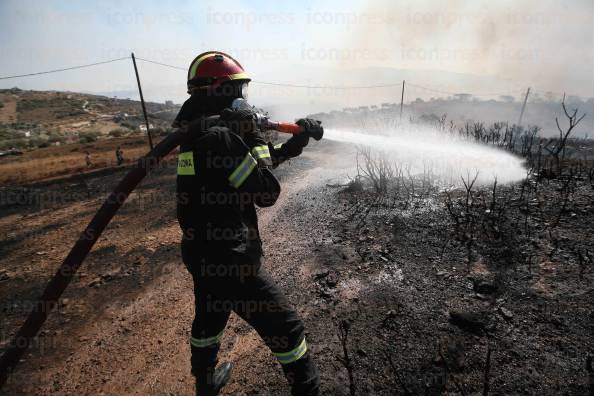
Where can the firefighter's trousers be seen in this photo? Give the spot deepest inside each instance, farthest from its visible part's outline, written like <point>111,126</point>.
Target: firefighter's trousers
<point>235,285</point>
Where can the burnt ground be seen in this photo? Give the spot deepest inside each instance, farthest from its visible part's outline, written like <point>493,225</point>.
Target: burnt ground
<point>390,283</point>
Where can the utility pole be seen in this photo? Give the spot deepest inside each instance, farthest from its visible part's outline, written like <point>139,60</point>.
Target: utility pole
<point>146,121</point>
<point>402,100</point>
<point>524,106</point>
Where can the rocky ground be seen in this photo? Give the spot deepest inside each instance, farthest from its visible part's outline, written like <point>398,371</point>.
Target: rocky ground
<point>392,302</point>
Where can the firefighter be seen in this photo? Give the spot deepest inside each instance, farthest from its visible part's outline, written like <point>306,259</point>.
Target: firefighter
<point>223,173</point>
<point>119,156</point>
<point>88,159</point>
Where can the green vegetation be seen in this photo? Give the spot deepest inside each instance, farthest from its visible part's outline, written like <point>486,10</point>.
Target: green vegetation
<point>60,107</point>
<point>30,104</point>
<point>20,126</point>
<point>13,90</point>
<point>13,143</point>
<point>128,125</point>
<point>89,137</point>
<point>22,142</point>
<point>48,118</point>
<point>12,137</point>
<point>68,113</point>
<point>118,132</point>
<point>56,137</point>
<point>38,141</point>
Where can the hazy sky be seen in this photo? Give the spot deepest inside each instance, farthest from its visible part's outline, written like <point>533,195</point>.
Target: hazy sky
<point>473,46</point>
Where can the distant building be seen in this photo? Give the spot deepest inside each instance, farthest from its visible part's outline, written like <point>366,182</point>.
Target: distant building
<point>142,127</point>
<point>169,103</point>
<point>119,116</point>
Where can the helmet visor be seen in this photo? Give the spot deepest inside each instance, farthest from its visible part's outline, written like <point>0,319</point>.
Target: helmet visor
<point>233,89</point>
<point>244,90</point>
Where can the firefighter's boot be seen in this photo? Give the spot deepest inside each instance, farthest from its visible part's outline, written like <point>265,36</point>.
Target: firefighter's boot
<point>210,381</point>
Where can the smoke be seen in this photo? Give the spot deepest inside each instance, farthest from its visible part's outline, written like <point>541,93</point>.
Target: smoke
<point>482,47</point>
<point>473,46</point>
<point>425,150</point>
<point>545,44</point>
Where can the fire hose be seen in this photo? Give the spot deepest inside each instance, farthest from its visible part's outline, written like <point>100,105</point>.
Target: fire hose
<point>56,286</point>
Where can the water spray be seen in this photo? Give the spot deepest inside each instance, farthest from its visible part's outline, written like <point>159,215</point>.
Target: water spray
<point>422,148</point>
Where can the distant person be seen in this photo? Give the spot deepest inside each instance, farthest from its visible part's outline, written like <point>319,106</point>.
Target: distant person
<point>88,159</point>
<point>119,155</point>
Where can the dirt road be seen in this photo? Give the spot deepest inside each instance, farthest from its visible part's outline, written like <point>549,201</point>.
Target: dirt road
<point>123,325</point>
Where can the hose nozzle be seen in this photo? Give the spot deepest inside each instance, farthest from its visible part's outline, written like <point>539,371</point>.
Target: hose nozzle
<point>265,123</point>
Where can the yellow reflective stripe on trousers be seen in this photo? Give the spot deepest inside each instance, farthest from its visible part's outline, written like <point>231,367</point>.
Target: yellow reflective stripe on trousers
<point>294,355</point>
<point>242,171</point>
<point>278,146</point>
<point>261,152</point>
<point>185,164</point>
<point>204,342</point>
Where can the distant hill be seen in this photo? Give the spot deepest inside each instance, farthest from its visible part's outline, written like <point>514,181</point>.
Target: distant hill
<point>31,119</point>
<point>464,108</point>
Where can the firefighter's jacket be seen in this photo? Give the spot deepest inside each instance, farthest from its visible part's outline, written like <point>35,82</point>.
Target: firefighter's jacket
<point>220,180</point>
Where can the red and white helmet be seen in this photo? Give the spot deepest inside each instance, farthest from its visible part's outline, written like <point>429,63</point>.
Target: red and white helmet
<point>211,69</point>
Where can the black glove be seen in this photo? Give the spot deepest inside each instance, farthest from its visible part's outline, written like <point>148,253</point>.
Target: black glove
<point>313,128</point>
<point>294,146</point>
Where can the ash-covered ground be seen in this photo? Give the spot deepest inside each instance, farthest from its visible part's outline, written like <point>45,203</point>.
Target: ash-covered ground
<point>403,292</point>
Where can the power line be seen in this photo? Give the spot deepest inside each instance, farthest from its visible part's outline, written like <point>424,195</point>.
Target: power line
<point>339,86</point>
<point>456,93</point>
<point>64,69</point>
<point>328,86</point>
<point>162,64</point>
<point>279,84</point>
<point>286,84</point>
